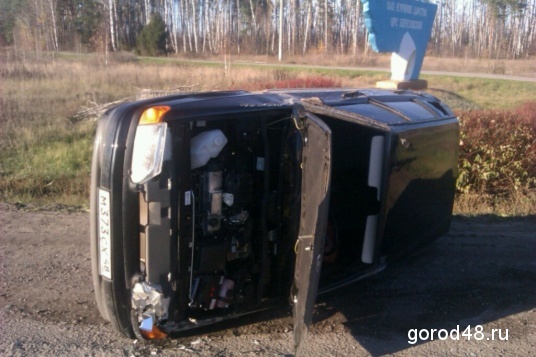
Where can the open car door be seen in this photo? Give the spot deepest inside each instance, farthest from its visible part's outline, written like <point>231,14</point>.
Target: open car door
<point>316,169</point>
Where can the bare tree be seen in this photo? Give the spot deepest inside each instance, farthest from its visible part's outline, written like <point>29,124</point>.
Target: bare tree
<point>478,28</point>
<point>52,6</point>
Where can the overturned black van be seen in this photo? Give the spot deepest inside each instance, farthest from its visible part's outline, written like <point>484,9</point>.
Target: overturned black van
<point>213,205</point>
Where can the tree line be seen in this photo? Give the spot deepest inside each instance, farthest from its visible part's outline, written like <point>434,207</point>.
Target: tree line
<point>472,28</point>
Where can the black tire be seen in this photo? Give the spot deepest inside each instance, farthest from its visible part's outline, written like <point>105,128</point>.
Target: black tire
<point>94,246</point>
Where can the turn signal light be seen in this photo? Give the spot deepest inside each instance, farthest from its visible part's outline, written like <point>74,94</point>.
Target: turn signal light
<point>153,115</point>
<point>154,334</point>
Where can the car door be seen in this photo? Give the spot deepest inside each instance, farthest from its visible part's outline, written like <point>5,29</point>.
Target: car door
<point>315,186</point>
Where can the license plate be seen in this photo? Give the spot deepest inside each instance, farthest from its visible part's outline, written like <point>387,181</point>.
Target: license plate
<point>105,249</point>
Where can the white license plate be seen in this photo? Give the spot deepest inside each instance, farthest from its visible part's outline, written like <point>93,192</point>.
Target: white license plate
<point>105,249</point>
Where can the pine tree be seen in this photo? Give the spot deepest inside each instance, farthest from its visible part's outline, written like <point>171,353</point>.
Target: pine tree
<point>152,39</point>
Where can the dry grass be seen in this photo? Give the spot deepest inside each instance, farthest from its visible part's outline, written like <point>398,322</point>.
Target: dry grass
<point>517,203</point>
<point>45,152</point>
<point>526,67</point>
<point>460,93</point>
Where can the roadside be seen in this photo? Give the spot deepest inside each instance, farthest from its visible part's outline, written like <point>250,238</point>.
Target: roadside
<point>482,273</point>
<point>51,104</point>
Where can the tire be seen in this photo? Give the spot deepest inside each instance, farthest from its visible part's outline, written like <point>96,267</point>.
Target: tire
<point>113,296</point>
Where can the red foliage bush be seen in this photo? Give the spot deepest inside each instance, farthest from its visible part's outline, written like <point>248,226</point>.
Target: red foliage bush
<point>498,150</point>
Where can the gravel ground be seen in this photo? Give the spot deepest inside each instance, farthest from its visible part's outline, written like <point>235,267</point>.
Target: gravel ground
<point>482,273</point>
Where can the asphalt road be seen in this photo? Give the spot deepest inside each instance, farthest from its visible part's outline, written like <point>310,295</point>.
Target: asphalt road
<point>482,275</point>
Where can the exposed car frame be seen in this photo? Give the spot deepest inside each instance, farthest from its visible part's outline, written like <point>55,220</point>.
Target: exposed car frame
<point>213,205</point>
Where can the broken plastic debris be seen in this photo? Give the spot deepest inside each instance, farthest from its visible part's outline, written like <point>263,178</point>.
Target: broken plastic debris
<point>150,305</point>
<point>228,198</point>
<point>147,323</point>
<point>183,348</point>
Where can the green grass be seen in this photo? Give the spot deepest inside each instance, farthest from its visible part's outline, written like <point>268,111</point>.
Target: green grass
<point>53,171</point>
<point>486,93</point>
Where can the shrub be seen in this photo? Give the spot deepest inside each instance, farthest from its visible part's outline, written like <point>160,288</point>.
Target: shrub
<point>498,150</point>
<point>152,39</point>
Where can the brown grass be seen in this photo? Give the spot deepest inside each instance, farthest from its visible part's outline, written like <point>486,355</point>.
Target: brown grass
<point>525,68</point>
<point>45,152</point>
<point>521,67</point>
<point>517,203</point>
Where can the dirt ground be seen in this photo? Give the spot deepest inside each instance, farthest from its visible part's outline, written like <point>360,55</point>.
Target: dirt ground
<point>482,273</point>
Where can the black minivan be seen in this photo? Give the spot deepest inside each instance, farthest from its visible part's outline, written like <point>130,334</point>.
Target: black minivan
<point>213,205</point>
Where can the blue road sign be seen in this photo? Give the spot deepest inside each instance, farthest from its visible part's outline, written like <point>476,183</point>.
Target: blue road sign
<point>401,26</point>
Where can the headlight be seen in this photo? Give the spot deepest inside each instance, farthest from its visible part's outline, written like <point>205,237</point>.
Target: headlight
<point>149,146</point>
